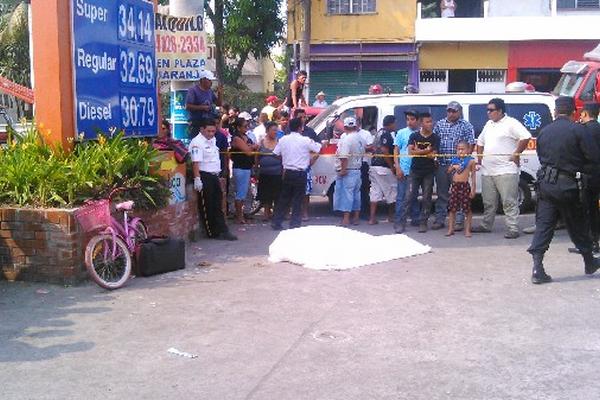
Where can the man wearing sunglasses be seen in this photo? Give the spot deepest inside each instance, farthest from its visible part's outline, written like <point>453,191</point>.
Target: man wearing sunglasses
<point>451,130</point>
<point>501,142</point>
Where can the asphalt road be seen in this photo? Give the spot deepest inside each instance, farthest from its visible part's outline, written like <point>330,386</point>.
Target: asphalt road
<point>462,322</point>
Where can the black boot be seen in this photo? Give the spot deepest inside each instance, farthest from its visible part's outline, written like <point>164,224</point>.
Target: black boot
<point>592,264</point>
<point>538,275</point>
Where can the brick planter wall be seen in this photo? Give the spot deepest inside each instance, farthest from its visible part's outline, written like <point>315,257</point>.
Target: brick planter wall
<point>49,247</point>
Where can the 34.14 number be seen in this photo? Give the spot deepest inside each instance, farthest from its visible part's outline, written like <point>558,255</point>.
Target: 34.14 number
<point>135,24</point>
<point>138,111</point>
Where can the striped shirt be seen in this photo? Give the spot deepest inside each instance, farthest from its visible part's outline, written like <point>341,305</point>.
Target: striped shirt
<point>450,134</point>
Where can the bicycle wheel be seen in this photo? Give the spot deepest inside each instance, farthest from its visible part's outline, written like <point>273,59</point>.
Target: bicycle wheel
<point>140,232</point>
<point>108,261</point>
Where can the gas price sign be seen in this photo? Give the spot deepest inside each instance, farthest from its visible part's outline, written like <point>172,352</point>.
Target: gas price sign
<point>114,67</point>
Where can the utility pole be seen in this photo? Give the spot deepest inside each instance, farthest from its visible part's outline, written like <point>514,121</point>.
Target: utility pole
<point>305,17</point>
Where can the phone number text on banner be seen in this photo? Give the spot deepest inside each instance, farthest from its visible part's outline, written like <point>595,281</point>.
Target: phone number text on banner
<point>180,47</point>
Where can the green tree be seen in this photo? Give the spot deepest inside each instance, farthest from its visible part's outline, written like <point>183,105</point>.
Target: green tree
<point>243,28</point>
<point>14,45</point>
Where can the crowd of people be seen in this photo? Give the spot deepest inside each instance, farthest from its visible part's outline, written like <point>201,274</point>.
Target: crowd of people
<point>390,166</point>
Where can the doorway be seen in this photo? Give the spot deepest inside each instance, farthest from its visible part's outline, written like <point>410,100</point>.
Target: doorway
<point>462,80</point>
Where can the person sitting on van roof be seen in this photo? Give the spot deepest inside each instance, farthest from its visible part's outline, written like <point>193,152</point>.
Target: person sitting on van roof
<point>451,130</point>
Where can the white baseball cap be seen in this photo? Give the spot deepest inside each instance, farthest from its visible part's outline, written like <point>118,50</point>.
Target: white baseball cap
<point>350,122</point>
<point>207,75</point>
<point>245,115</point>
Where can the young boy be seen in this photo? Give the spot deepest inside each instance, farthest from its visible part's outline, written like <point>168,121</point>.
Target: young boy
<point>461,193</point>
<point>424,145</point>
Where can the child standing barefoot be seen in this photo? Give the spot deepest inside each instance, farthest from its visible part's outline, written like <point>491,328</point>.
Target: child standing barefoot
<point>461,193</point>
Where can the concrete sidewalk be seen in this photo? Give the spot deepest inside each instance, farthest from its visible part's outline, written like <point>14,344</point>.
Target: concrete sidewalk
<point>462,322</point>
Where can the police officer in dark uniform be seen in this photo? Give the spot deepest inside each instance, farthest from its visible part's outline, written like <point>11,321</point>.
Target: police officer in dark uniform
<point>566,153</point>
<point>589,119</point>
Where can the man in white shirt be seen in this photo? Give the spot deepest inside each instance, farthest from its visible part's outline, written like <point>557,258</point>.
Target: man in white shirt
<point>501,142</point>
<point>296,152</point>
<point>347,192</point>
<point>206,166</point>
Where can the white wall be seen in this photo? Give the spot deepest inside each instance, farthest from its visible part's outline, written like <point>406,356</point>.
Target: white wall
<point>519,8</point>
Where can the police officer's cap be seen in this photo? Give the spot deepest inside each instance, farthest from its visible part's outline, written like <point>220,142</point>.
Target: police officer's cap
<point>565,104</point>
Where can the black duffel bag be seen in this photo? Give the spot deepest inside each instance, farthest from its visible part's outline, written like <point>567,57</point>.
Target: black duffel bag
<point>157,255</point>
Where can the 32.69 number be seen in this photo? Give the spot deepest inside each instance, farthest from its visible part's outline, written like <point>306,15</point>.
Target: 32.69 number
<point>136,67</point>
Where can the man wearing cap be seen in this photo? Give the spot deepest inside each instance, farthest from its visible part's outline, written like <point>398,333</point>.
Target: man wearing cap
<point>320,100</point>
<point>451,130</point>
<point>270,107</point>
<point>501,142</point>
<point>346,195</point>
<point>201,101</point>
<point>566,151</point>
<point>295,151</point>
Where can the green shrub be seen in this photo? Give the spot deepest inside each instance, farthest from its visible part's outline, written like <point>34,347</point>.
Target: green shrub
<point>36,174</point>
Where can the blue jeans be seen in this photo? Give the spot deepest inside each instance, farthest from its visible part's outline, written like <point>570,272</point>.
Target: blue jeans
<point>346,195</point>
<point>405,203</point>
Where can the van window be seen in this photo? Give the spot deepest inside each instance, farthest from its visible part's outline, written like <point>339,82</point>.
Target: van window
<point>367,117</point>
<point>589,90</point>
<point>437,112</point>
<point>534,116</point>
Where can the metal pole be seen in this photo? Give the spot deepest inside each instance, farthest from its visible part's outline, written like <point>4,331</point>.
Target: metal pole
<point>305,43</point>
<point>182,8</point>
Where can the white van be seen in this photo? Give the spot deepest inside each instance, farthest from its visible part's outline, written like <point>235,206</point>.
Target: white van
<point>534,110</point>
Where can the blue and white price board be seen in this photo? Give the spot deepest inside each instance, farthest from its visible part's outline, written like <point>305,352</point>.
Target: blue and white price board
<point>114,65</point>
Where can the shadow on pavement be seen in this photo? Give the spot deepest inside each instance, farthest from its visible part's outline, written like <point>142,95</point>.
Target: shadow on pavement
<point>42,333</point>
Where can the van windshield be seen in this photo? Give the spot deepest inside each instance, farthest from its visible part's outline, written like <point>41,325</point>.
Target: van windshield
<point>568,85</point>
<point>323,115</point>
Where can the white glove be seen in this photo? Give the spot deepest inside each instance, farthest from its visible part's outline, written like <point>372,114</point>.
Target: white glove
<point>198,184</point>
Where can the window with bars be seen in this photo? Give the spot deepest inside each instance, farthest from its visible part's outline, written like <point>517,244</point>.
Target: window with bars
<point>351,6</point>
<point>578,4</point>
<point>490,75</point>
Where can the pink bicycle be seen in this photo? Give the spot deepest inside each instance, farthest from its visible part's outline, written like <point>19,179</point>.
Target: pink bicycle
<point>109,254</point>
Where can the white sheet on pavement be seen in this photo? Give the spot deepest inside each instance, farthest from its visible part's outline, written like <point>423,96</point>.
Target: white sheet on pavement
<point>338,248</point>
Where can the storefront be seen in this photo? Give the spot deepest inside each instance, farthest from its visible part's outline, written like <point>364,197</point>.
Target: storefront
<point>350,69</point>
<point>462,67</point>
<point>539,62</point>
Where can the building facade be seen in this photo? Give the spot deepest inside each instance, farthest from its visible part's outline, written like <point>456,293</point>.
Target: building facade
<point>355,44</point>
<point>490,43</point>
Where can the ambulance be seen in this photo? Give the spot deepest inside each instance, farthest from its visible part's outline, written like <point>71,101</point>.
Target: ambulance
<point>534,110</point>
<point>581,79</point>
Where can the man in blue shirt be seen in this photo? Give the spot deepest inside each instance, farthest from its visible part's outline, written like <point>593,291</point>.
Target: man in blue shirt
<point>450,130</point>
<point>201,102</point>
<point>402,166</point>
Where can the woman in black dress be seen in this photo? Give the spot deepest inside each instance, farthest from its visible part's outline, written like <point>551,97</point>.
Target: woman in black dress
<point>269,170</point>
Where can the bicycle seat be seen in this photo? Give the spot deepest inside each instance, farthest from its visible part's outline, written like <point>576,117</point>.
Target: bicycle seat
<point>125,206</point>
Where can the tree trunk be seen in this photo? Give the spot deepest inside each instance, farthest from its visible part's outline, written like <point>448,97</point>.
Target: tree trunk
<point>217,20</point>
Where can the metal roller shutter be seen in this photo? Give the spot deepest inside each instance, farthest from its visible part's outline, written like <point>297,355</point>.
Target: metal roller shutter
<point>351,83</point>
